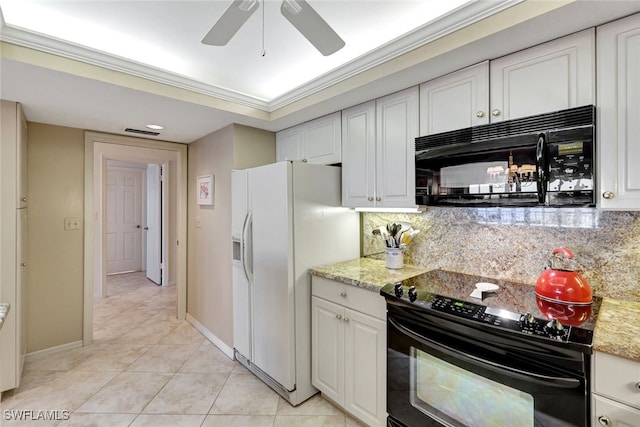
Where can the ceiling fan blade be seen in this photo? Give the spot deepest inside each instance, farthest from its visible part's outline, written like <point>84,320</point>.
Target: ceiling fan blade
<point>312,26</point>
<point>230,22</point>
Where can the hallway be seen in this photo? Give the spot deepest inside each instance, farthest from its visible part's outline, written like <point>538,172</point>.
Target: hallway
<point>145,368</point>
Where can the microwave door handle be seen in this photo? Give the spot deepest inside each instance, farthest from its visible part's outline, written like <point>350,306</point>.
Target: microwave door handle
<point>558,382</point>
<point>541,167</point>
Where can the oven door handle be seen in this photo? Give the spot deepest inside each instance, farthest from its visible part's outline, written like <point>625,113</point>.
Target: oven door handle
<point>560,382</point>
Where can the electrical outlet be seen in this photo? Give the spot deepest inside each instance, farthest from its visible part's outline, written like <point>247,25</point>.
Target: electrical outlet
<point>72,223</point>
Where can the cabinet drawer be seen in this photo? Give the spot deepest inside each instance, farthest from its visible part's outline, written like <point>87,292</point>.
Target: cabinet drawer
<point>353,297</point>
<point>611,413</point>
<point>617,378</point>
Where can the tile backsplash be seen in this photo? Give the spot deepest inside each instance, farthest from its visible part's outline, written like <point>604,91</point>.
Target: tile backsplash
<point>516,243</point>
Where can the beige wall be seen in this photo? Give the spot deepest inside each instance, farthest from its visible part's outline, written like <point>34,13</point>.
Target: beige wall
<point>209,297</point>
<point>55,280</point>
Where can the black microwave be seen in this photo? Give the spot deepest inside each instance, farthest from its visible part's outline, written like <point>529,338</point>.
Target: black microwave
<point>542,160</point>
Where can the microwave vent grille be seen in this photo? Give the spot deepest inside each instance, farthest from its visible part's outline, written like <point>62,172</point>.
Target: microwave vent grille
<point>579,116</point>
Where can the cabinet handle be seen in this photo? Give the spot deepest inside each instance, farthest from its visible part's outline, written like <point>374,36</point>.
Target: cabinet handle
<point>638,386</point>
<point>24,264</point>
<point>378,198</point>
<point>370,199</point>
<point>343,294</point>
<point>338,317</point>
<point>604,420</point>
<point>608,195</point>
<point>480,114</point>
<point>24,199</point>
<point>304,160</point>
<point>495,113</point>
<point>346,319</point>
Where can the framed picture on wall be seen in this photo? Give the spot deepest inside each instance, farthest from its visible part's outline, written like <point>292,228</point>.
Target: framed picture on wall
<point>205,190</point>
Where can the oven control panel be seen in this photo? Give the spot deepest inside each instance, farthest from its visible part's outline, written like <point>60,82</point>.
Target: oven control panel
<point>523,323</point>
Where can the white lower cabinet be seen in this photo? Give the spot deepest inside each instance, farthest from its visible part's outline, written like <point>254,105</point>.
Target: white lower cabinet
<point>349,344</point>
<point>616,391</point>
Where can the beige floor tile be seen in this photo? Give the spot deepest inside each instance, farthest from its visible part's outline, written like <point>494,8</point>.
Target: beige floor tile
<point>127,393</point>
<point>110,357</point>
<point>163,358</point>
<point>184,333</point>
<point>208,358</point>
<point>146,367</point>
<point>245,394</point>
<point>309,421</point>
<point>150,420</point>
<point>316,405</point>
<point>66,391</point>
<point>238,421</point>
<point>187,393</point>
<point>78,419</point>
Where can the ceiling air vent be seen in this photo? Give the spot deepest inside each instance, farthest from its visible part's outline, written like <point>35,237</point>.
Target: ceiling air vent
<point>143,132</point>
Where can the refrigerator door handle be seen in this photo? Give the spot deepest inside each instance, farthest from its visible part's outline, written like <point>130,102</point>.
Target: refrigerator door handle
<point>246,246</point>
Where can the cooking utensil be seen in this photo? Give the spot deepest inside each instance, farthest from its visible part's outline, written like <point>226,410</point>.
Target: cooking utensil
<point>559,283</point>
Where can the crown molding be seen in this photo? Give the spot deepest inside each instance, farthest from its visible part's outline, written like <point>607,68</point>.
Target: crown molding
<point>439,27</point>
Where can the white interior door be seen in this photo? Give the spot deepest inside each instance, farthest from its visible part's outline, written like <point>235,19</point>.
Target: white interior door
<point>153,229</point>
<point>124,213</point>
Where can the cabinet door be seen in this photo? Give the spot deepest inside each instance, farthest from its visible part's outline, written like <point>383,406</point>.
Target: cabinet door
<point>455,101</point>
<point>618,112</point>
<point>289,144</point>
<point>327,348</point>
<point>323,140</point>
<point>359,155</point>
<point>610,413</point>
<point>365,367</point>
<point>545,78</point>
<point>396,130</point>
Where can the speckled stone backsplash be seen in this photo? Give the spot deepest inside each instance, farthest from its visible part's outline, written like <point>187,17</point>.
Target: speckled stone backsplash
<point>516,243</point>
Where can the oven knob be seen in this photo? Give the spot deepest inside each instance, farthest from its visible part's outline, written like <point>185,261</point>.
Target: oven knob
<point>397,289</point>
<point>527,319</point>
<point>413,294</point>
<point>555,328</point>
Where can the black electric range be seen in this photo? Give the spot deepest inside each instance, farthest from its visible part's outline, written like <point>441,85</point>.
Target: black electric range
<point>514,307</point>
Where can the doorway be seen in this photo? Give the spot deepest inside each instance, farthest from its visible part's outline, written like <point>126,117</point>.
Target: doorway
<point>101,148</point>
<point>136,225</point>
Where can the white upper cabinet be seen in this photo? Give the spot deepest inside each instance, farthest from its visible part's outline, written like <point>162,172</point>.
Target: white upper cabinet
<point>455,101</point>
<point>552,76</point>
<point>318,141</point>
<point>618,114</point>
<point>378,152</point>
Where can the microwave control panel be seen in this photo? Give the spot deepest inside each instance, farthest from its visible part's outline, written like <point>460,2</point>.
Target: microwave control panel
<point>570,166</point>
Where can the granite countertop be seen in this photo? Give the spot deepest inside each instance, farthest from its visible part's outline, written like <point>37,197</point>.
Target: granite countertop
<point>617,329</point>
<point>366,273</point>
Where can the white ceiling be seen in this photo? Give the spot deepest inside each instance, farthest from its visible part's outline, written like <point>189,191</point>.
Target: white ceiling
<point>193,89</point>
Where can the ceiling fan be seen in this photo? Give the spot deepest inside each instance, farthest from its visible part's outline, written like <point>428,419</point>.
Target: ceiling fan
<point>298,12</point>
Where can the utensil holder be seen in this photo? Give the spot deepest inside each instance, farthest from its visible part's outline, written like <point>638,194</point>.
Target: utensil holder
<point>394,258</point>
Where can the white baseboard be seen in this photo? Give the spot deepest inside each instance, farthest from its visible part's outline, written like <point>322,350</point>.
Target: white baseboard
<point>211,337</point>
<point>56,349</point>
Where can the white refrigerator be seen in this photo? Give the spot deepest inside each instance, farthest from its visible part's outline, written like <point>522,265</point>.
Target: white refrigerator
<point>286,218</point>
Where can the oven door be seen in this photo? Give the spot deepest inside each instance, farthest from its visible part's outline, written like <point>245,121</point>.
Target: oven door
<point>436,378</point>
